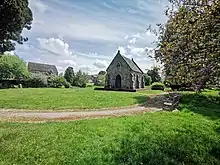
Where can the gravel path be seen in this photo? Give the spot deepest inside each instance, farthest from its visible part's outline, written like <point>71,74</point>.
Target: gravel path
<point>153,105</point>
<point>39,116</point>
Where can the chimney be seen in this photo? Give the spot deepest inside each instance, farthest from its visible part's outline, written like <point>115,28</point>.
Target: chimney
<point>118,52</point>
<point>132,59</point>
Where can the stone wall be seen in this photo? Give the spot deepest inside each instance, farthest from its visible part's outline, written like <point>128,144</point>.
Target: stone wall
<point>118,67</point>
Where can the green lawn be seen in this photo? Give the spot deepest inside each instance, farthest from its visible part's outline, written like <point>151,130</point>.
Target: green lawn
<point>190,137</point>
<point>76,98</point>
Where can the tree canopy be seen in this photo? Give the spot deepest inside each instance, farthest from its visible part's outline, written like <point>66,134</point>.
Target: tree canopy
<point>147,79</point>
<point>69,75</point>
<point>81,78</point>
<point>189,43</point>
<point>12,67</point>
<point>15,16</point>
<point>154,74</point>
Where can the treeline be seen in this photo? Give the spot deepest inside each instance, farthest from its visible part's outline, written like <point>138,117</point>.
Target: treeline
<point>13,71</point>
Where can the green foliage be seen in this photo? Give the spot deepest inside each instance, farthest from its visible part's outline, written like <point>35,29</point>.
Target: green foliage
<point>15,16</point>
<point>74,98</point>
<point>154,74</point>
<point>100,80</point>
<point>36,80</point>
<point>12,67</point>
<point>57,82</point>
<point>80,79</point>
<point>187,137</point>
<point>69,75</point>
<point>189,42</point>
<point>102,72</point>
<point>147,79</point>
<point>157,86</point>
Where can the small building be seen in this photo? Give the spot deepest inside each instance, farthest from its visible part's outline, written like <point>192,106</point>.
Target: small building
<point>124,73</point>
<point>45,69</point>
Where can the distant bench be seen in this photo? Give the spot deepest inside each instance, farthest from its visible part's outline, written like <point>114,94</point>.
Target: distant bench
<point>172,102</point>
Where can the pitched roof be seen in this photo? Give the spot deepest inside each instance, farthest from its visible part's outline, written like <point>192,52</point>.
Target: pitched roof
<point>33,66</point>
<point>132,64</point>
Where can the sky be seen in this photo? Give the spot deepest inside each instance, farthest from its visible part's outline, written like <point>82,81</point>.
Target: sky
<point>86,34</point>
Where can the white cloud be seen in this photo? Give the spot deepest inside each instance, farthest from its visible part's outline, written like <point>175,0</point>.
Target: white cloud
<point>126,37</point>
<point>55,45</point>
<point>133,41</point>
<point>137,35</point>
<point>122,50</point>
<point>148,33</point>
<point>137,51</point>
<point>88,69</point>
<point>38,5</point>
<point>101,64</point>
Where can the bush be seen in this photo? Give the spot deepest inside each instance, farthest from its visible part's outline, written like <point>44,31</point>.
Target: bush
<point>82,85</point>
<point>58,82</point>
<point>36,80</point>
<point>157,86</point>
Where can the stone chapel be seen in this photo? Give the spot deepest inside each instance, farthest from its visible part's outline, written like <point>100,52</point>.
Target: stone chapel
<point>124,73</point>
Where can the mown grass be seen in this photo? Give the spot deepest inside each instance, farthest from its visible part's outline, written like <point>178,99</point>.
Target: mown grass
<point>191,136</point>
<point>76,98</point>
<point>159,138</point>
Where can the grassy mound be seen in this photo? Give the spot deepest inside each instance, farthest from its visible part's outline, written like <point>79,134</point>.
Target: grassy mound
<point>77,98</point>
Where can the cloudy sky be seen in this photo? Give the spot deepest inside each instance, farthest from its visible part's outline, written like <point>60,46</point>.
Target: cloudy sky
<point>86,34</point>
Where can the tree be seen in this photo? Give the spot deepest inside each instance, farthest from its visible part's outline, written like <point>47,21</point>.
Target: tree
<point>154,74</point>
<point>80,79</point>
<point>147,79</point>
<point>69,75</point>
<point>15,16</point>
<point>102,73</point>
<point>12,67</point>
<point>189,43</point>
<point>101,78</point>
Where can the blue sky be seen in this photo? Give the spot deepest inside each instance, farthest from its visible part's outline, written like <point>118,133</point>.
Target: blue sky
<point>86,34</point>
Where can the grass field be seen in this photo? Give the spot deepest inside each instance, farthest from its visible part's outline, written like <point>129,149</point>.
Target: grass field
<point>76,98</point>
<point>191,136</point>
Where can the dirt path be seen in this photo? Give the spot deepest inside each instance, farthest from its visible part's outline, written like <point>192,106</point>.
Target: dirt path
<point>153,105</point>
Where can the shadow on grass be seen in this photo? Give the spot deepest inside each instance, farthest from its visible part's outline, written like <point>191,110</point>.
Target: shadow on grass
<point>150,102</point>
<point>205,105</point>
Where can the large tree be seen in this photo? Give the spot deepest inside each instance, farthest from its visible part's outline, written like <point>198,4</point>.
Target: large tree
<point>69,75</point>
<point>189,43</point>
<point>12,67</point>
<point>154,74</point>
<point>15,16</point>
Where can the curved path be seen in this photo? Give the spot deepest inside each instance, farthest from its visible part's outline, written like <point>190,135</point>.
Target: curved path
<point>152,105</point>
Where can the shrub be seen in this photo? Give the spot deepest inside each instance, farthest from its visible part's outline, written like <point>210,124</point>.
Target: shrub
<point>157,86</point>
<point>36,80</point>
<point>67,85</point>
<point>57,82</point>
